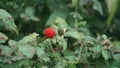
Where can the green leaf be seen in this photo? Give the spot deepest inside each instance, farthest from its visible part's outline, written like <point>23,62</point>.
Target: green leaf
<point>3,38</point>
<point>17,57</point>
<point>74,3</point>
<point>106,54</point>
<point>89,39</point>
<point>28,39</point>
<point>63,43</point>
<point>12,43</point>
<point>82,23</point>
<point>112,8</point>
<point>29,11</point>
<point>69,55</point>
<point>34,18</point>
<point>61,22</point>
<point>27,51</point>
<point>73,34</point>
<point>39,51</point>
<point>8,21</point>
<point>23,63</point>
<point>70,66</point>
<point>97,48</point>
<point>60,65</point>
<point>6,50</point>
<point>54,40</point>
<point>98,6</point>
<point>54,15</point>
<point>45,58</point>
<point>29,14</point>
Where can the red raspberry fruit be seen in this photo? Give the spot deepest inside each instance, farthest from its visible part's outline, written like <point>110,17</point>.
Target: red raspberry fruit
<point>49,32</point>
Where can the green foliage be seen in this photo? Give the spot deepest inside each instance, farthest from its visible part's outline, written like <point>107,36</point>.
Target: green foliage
<point>112,8</point>
<point>98,6</point>
<point>3,38</point>
<point>75,44</point>
<point>8,21</point>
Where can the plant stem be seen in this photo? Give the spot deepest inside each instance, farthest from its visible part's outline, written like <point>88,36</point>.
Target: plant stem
<point>107,63</point>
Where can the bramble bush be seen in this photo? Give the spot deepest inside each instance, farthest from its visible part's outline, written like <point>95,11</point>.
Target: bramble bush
<point>79,34</point>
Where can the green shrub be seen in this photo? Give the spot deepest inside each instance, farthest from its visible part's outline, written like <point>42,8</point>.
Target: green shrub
<point>75,45</point>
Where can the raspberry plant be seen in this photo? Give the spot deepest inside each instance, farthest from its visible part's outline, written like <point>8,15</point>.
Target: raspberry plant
<point>57,34</point>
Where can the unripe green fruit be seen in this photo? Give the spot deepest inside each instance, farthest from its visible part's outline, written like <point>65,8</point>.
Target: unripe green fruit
<point>61,31</point>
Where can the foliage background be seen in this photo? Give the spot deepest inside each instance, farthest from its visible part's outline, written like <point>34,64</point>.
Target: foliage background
<point>84,44</point>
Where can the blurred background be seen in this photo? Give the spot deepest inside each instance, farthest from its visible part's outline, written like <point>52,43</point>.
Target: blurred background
<point>88,16</point>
